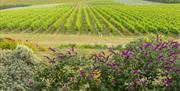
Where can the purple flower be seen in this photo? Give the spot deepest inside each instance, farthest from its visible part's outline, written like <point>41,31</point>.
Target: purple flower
<point>52,49</point>
<point>73,49</point>
<point>136,72</point>
<point>171,61</point>
<point>148,45</point>
<point>107,58</point>
<point>175,44</point>
<point>52,61</point>
<point>150,62</point>
<point>156,47</point>
<point>82,73</point>
<point>176,69</point>
<point>160,58</point>
<point>90,77</point>
<point>113,83</point>
<point>163,45</point>
<point>97,67</point>
<point>127,53</point>
<point>168,82</point>
<point>173,53</point>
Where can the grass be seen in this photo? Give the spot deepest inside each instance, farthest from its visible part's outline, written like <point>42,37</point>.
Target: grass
<point>84,42</point>
<point>54,40</point>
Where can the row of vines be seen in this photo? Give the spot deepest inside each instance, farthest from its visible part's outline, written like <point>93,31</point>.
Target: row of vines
<point>94,19</point>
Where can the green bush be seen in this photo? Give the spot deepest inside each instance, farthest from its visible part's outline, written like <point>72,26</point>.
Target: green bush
<point>17,68</point>
<point>146,64</point>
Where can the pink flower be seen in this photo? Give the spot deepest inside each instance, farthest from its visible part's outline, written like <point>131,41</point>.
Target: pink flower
<point>168,81</point>
<point>65,88</point>
<point>171,62</point>
<point>136,72</point>
<point>30,82</point>
<point>113,83</point>
<point>82,73</point>
<point>127,53</point>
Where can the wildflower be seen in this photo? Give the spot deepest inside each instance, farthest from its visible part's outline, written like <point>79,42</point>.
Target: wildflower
<point>136,72</point>
<point>163,45</point>
<point>150,62</point>
<point>171,61</point>
<point>82,73</point>
<point>168,82</point>
<point>131,86</point>
<point>65,88</point>
<point>176,69</point>
<point>97,67</point>
<point>127,53</point>
<point>113,83</point>
<point>160,58</point>
<point>172,54</point>
<point>157,47</point>
<point>175,44</point>
<point>72,49</point>
<point>30,82</point>
<point>52,61</point>
<point>90,77</point>
<point>148,45</point>
<point>52,49</point>
<point>97,74</point>
<point>107,58</point>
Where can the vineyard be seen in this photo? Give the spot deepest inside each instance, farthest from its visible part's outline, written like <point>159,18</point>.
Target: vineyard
<point>93,17</point>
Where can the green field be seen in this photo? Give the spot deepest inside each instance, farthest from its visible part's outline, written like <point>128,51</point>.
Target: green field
<point>103,17</point>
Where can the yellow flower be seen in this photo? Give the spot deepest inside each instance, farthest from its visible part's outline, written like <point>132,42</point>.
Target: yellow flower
<point>97,74</point>
<point>111,77</point>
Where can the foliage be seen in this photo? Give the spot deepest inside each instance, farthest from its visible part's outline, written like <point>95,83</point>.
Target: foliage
<point>98,18</point>
<point>17,68</point>
<point>148,64</point>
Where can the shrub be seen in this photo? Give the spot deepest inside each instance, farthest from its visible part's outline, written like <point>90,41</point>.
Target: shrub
<point>142,65</point>
<point>17,68</point>
<point>63,72</point>
<point>146,64</point>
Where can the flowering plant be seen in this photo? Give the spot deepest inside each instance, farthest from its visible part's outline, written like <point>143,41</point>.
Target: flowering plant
<point>142,65</point>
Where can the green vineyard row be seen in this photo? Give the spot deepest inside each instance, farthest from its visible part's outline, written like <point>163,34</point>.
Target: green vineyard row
<point>115,19</point>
